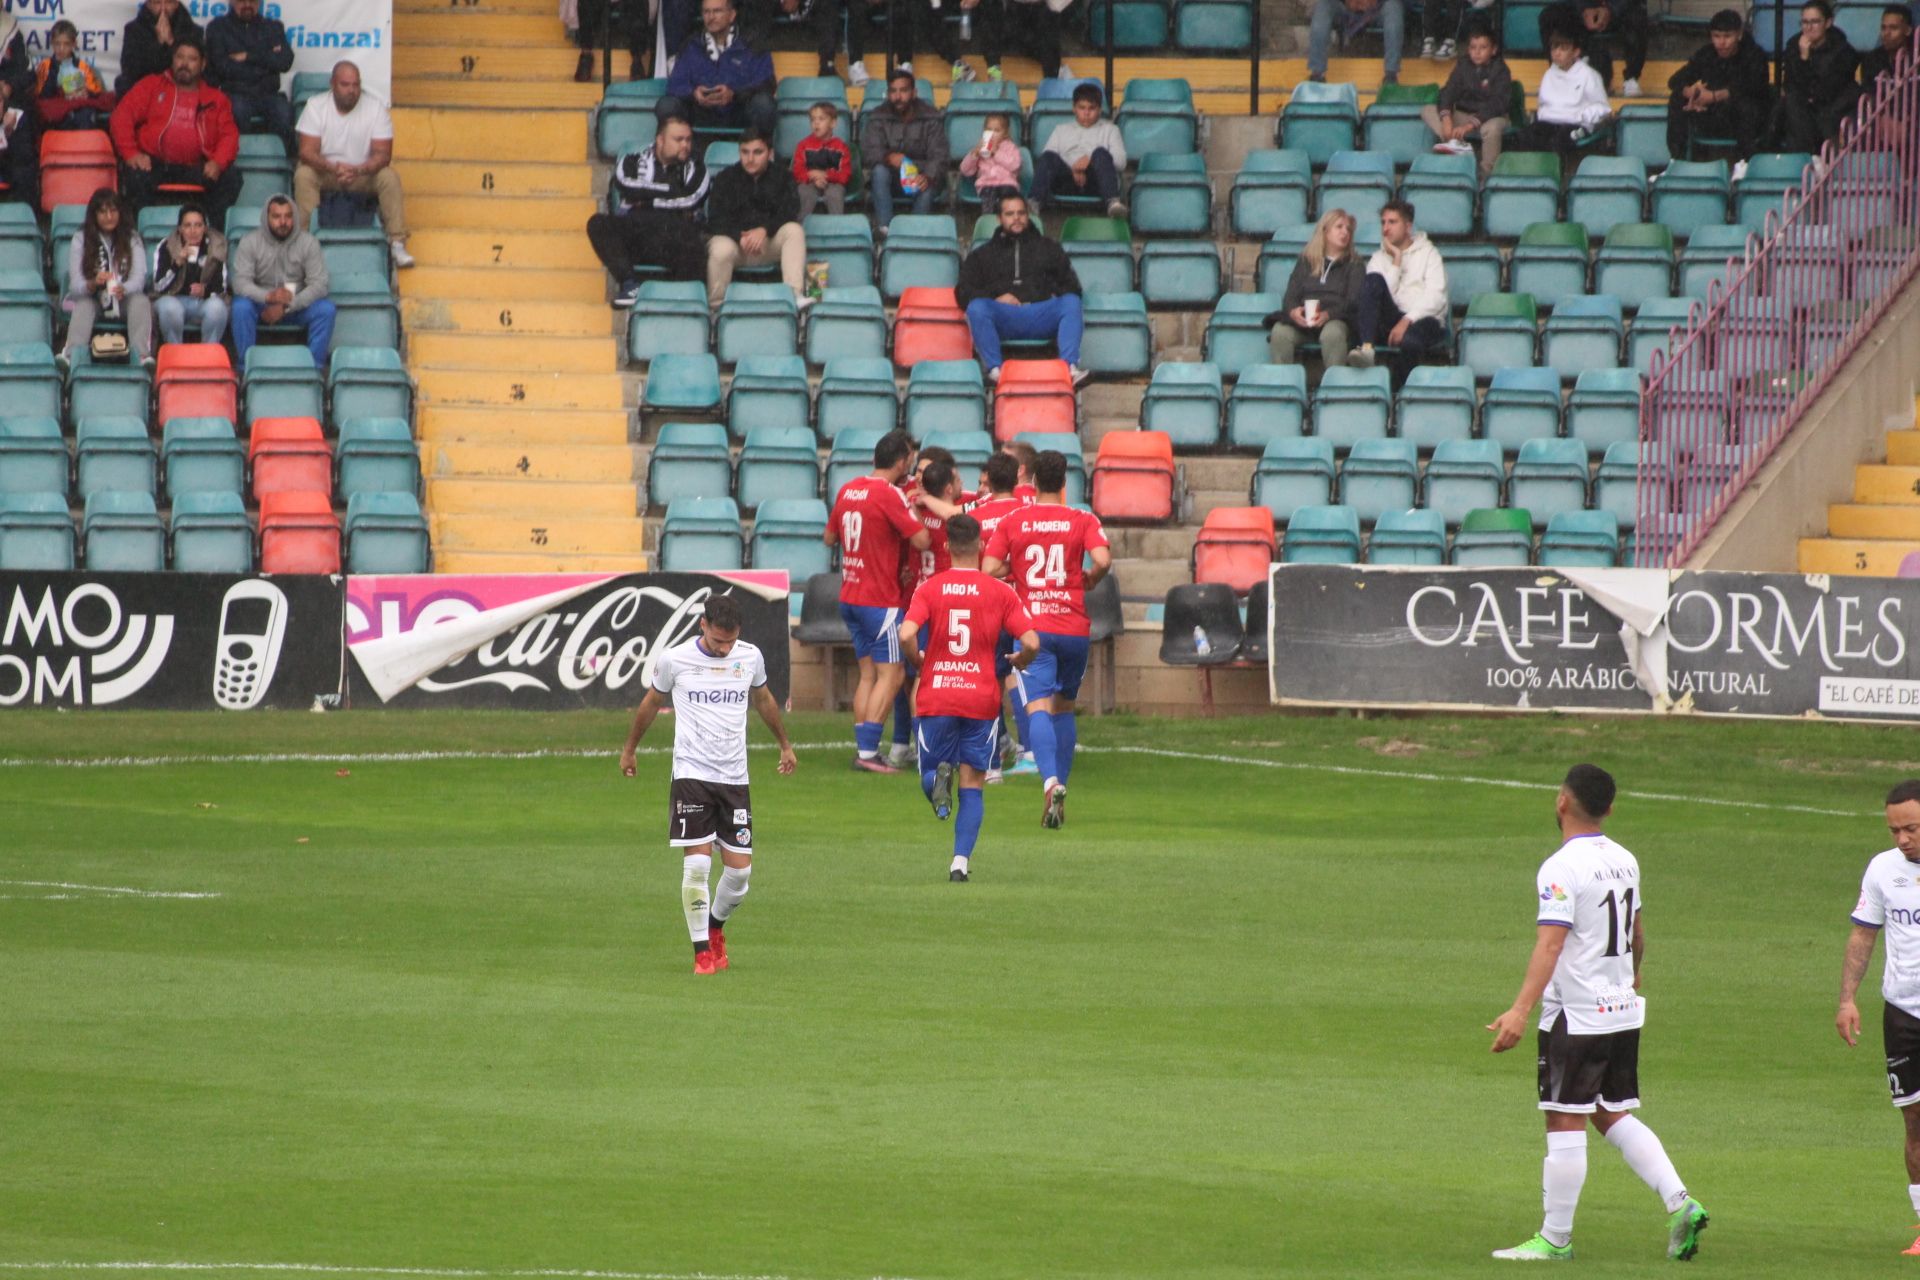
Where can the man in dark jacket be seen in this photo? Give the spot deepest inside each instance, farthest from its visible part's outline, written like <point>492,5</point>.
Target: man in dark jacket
<point>1896,34</point>
<point>903,129</point>
<point>1722,91</point>
<point>246,56</point>
<point>1020,285</point>
<point>753,216</point>
<point>147,43</point>
<point>1817,91</point>
<point>659,191</point>
<point>719,78</point>
<point>20,163</point>
<point>155,147</point>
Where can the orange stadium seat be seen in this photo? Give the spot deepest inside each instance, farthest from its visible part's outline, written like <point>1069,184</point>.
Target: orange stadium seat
<point>75,164</point>
<point>195,380</point>
<point>930,326</point>
<point>1133,476</point>
<point>1235,545</point>
<point>290,455</point>
<point>298,534</point>
<point>1033,395</point>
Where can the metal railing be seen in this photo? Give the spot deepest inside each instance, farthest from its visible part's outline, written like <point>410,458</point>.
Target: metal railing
<point>1760,349</point>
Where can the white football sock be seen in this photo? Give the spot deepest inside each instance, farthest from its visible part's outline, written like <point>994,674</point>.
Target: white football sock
<point>733,887</point>
<point>1646,1157</point>
<point>961,862</point>
<point>693,893</point>
<point>1913,1194</point>
<point>1561,1177</point>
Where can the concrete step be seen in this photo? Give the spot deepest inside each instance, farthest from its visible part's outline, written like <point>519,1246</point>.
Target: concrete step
<point>1151,579</point>
<point>1218,471</point>
<point>521,460</point>
<point>533,315</point>
<point>500,94</point>
<point>563,534</point>
<point>531,497</point>
<point>1854,556</point>
<point>525,428</point>
<point>1202,501</point>
<point>539,562</point>
<point>551,355</point>
<point>502,215</point>
<point>486,249</point>
<point>476,31</point>
<point>1150,544</point>
<point>474,7</point>
<point>1861,520</point>
<point>1887,484</point>
<point>544,136</point>
<point>1903,448</point>
<point>517,390</point>
<point>547,64</point>
<point>483,180</point>
<point>507,284</point>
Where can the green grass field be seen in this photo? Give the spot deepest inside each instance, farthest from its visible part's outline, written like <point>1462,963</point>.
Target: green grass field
<point>1226,1024</point>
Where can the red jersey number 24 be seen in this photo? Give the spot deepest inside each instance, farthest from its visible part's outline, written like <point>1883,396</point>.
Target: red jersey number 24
<point>1046,567</point>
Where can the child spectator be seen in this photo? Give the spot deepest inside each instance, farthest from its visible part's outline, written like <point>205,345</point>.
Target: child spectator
<point>994,165</point>
<point>1573,102</point>
<point>67,91</point>
<point>1084,156</point>
<point>822,163</point>
<point>1475,99</point>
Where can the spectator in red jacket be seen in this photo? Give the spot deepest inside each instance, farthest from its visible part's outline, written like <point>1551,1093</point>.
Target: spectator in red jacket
<point>822,163</point>
<point>176,130</point>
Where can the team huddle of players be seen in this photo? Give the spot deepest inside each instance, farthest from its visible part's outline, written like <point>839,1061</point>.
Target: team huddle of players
<point>956,599</point>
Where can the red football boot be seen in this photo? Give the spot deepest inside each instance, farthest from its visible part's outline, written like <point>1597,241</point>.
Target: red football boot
<point>704,962</point>
<point>717,947</point>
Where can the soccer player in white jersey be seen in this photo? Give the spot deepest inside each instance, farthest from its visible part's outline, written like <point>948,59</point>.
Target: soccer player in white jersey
<point>711,680</point>
<point>1585,971</point>
<point>1890,901</point>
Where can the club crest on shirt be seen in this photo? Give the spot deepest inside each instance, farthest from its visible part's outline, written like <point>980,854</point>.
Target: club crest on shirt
<point>1553,893</point>
<point>738,671</point>
<point>743,837</point>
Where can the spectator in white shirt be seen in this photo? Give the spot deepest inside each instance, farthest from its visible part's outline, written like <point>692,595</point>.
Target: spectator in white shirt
<point>1403,300</point>
<point>1573,102</point>
<point>346,144</point>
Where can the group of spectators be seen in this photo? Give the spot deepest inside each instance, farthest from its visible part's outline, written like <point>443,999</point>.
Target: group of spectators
<point>174,115</point>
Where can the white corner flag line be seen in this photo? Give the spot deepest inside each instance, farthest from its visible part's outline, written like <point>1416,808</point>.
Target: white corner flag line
<point>64,889</point>
<point>431,1273</point>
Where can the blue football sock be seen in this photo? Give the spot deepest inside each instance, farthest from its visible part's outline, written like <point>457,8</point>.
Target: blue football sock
<point>902,718</point>
<point>1045,749</point>
<point>926,782</point>
<point>966,824</point>
<point>1066,736</point>
<point>1020,718</point>
<point>866,736</point>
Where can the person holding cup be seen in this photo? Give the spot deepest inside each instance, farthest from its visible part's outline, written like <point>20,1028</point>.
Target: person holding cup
<point>994,165</point>
<point>1322,299</point>
<point>107,275</point>
<point>190,279</point>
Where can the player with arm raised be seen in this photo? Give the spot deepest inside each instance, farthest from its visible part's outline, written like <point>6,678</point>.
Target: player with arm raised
<point>711,680</point>
<point>1039,548</point>
<point>963,615</point>
<point>872,526</point>
<point>1890,901</point>
<point>1585,971</point>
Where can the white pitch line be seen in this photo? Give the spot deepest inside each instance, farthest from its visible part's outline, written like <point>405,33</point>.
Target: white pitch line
<point>566,753</point>
<point>437,1273</point>
<point>108,889</point>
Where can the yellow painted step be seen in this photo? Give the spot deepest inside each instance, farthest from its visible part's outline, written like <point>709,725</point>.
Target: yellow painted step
<point>459,133</point>
<point>549,64</point>
<point>531,497</point>
<point>555,535</point>
<point>516,389</point>
<point>1903,448</point>
<point>1886,484</point>
<point>1854,556</point>
<point>483,179</point>
<point>507,284</point>
<point>608,463</point>
<point>525,427</point>
<point>540,562</point>
<point>550,355</point>
<point>427,93</point>
<point>503,214</point>
<point>467,247</point>
<point>474,6</point>
<point>535,316</point>
<point>472,31</point>
<point>1861,520</point>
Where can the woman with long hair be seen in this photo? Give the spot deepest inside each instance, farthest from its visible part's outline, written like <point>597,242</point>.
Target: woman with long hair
<point>190,279</point>
<point>107,274</point>
<point>1322,301</point>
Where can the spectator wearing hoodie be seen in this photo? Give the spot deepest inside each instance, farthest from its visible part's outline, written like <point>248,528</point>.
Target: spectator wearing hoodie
<point>147,43</point>
<point>1817,90</point>
<point>1572,102</point>
<point>1403,300</point>
<point>279,277</point>
<point>1722,91</point>
<point>1606,32</point>
<point>67,92</point>
<point>246,56</point>
<point>753,214</point>
<point>1020,285</point>
<point>719,78</point>
<point>178,130</point>
<point>903,129</point>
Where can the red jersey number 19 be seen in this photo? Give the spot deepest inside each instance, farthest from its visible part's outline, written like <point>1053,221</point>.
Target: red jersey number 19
<point>850,530</point>
<point>1046,566</point>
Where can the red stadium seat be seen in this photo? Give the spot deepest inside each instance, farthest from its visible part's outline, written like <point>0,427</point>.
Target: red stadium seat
<point>1235,546</point>
<point>176,358</point>
<point>75,164</point>
<point>1133,477</point>
<point>930,326</point>
<point>195,380</point>
<point>298,534</point>
<point>1033,395</point>
<point>289,455</point>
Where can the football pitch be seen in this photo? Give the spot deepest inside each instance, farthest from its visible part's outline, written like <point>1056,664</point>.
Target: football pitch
<point>428,1007</point>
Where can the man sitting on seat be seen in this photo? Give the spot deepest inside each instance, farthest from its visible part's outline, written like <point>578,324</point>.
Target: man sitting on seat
<point>176,130</point>
<point>1896,34</point>
<point>1084,157</point>
<point>719,80</point>
<point>1403,300</point>
<point>1020,285</point>
<point>280,277</point>
<point>903,129</point>
<point>658,192</point>
<point>1721,92</point>
<point>346,144</point>
<point>1817,90</point>
<point>754,217</point>
<point>246,55</point>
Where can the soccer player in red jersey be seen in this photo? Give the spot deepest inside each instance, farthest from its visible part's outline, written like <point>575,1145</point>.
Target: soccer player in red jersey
<point>1040,548</point>
<point>1002,499</point>
<point>872,526</point>
<point>963,613</point>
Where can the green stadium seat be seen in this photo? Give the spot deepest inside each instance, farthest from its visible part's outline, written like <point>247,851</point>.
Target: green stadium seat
<point>113,454</point>
<point>1498,333</point>
<point>1101,250</point>
<point>36,531</point>
<point>123,533</point>
<point>1322,535</point>
<point>777,462</point>
<point>1172,195</point>
<point>757,320</point>
<point>1691,194</point>
<point>1580,540</point>
<point>1272,190</point>
<point>1550,261</point>
<point>1393,124</point>
<point>1549,476</point>
<point>1523,189</point>
<point>1236,333</point>
<point>1583,333</point>
<point>786,535</point>
<point>210,533</point>
<point>846,322</point>
<point>1180,273</point>
<point>1320,119</point>
<point>857,391</point>
<point>1604,409</point>
<point>377,455</point>
<point>33,456</point>
<point>700,535</point>
<point>1116,336</point>
<point>768,391</point>
<point>1359,182</point>
<point>1293,472</point>
<point>946,395</point>
<point>1436,404</point>
<point>1379,476</point>
<point>1413,537</point>
<point>1606,190</point>
<point>202,455</point>
<point>1268,403</point>
<point>1521,405</point>
<point>1493,538</point>
<point>1463,475</point>
<point>1351,405</point>
<point>1445,190</point>
<point>690,459</point>
<point>1185,400</point>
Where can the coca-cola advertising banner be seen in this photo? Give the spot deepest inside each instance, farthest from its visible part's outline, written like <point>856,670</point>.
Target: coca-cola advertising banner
<point>169,640</point>
<point>1750,644</point>
<point>544,641</point>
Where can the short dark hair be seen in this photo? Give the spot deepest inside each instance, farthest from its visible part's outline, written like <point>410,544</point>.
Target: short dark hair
<point>1826,10</point>
<point>963,533</point>
<point>1563,37</point>
<point>1003,472</point>
<point>1478,25</point>
<point>1402,207</point>
<point>1727,20</point>
<point>192,207</point>
<point>1011,197</point>
<point>901,73</point>
<point>1090,93</point>
<point>723,613</point>
<point>892,449</point>
<point>189,40</point>
<point>660,126</point>
<point>1050,471</point>
<point>936,477</point>
<point>752,134</point>
<point>1595,4</point>
<point>65,28</point>
<point>933,453</point>
<point>1900,11</point>
<point>1591,788</point>
<point>833,112</point>
<point>1904,791</point>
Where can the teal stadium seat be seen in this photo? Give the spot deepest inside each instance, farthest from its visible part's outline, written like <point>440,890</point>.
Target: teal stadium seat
<point>1351,405</point>
<point>768,391</point>
<point>1691,194</point>
<point>1222,26</point>
<point>1604,409</point>
<point>1268,402</point>
<point>793,99</point>
<point>624,120</point>
<point>366,322</point>
<point>1185,400</point>
<point>1172,195</point>
<point>850,458</point>
<point>1809,264</point>
<point>36,531</point>
<point>1635,263</point>
<point>281,385</point>
<point>969,194</point>
<point>1756,335</point>
<point>108,391</point>
<point>1117,337</point>
<point>1651,328</point>
<point>1616,483</point>
<point>1550,261</point>
<point>1498,333</point>
<point>844,242</point>
<point>368,382</point>
<point>1523,189</point>
<point>847,323</point>
<point>1463,475</point>
<point>969,103</point>
<point>123,533</point>
<point>1583,333</point>
<point>1414,537</point>
<point>386,533</point>
<point>30,382</point>
<point>1393,124</point>
<point>946,395</point>
<point>1180,273</point>
<point>113,454</point>
<point>700,535</point>
<point>1713,253</point>
<point>777,462</point>
<point>1053,106</point>
<point>377,455</point>
<point>689,459</point>
<point>25,314</point>
<point>1473,268</point>
<point>1521,405</point>
<point>1236,335</point>
<point>202,455</point>
<point>33,456</point>
<point>1157,117</point>
<point>682,382</point>
<point>210,533</point>
<point>1272,190</point>
<point>1437,404</point>
<point>857,391</point>
<point>921,249</point>
<point>1549,477</point>
<point>1068,446</point>
<point>1640,131</point>
<point>1320,119</point>
<point>1293,472</point>
<point>1606,190</point>
<point>786,535</point>
<point>1765,184</point>
<point>1359,182</point>
<point>1580,540</point>
<point>970,449</point>
<point>1322,535</point>
<point>1444,189</point>
<point>1379,476</point>
<point>1138,25</point>
<point>756,320</point>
